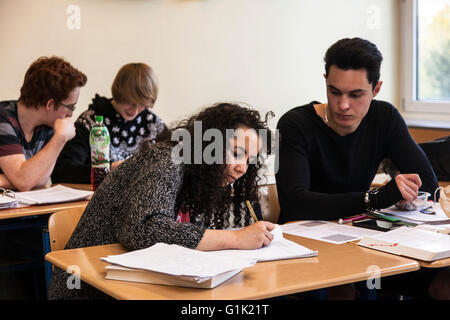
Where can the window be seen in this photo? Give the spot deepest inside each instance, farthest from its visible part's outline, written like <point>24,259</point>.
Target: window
<point>426,56</point>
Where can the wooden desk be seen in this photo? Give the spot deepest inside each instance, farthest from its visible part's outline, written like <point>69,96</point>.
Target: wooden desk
<point>435,264</point>
<point>45,209</point>
<point>427,134</point>
<point>335,265</point>
<point>444,183</point>
<point>39,209</point>
<point>35,216</point>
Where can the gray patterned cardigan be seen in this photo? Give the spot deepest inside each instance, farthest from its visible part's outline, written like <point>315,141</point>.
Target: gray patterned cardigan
<point>135,207</point>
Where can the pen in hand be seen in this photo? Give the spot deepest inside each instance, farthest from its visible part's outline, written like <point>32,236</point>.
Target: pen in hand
<point>252,212</point>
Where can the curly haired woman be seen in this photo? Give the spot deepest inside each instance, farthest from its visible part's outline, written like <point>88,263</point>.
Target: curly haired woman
<point>154,197</point>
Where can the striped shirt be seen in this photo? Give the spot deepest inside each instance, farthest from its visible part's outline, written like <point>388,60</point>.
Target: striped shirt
<point>12,138</point>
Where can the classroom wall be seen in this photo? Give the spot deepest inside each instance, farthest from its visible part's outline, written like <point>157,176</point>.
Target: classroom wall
<point>268,53</point>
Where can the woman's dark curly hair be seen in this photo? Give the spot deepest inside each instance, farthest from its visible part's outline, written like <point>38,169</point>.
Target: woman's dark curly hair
<point>202,193</point>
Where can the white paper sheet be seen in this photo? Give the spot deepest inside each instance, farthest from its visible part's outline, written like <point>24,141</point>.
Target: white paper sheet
<point>179,261</point>
<point>416,215</point>
<point>279,249</point>
<point>54,194</point>
<point>326,231</point>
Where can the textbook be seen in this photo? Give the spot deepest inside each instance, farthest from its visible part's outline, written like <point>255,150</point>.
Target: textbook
<point>174,265</point>
<point>423,243</point>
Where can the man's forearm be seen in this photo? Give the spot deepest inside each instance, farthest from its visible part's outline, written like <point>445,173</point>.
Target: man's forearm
<point>4,182</point>
<point>37,170</point>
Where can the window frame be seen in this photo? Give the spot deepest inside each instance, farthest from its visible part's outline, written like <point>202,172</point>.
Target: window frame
<point>408,41</point>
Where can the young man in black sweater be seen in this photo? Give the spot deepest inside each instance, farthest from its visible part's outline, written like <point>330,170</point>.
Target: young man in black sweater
<point>330,152</point>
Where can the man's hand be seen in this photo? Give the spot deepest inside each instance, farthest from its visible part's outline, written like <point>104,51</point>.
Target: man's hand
<point>409,185</point>
<point>64,128</point>
<point>115,164</point>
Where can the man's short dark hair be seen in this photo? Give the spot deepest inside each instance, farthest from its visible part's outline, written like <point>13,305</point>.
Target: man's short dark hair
<point>355,54</point>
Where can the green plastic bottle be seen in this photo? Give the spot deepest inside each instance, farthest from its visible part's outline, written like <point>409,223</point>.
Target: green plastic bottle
<point>100,141</point>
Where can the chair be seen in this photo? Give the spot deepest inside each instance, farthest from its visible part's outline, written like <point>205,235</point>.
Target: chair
<point>268,198</point>
<point>61,225</point>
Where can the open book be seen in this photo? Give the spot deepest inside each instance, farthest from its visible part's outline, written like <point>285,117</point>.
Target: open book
<point>420,243</point>
<point>179,266</point>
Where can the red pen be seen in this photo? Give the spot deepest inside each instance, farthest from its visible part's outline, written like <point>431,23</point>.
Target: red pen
<point>356,218</point>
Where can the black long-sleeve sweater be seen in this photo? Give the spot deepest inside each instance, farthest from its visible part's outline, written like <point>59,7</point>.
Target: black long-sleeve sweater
<point>323,175</point>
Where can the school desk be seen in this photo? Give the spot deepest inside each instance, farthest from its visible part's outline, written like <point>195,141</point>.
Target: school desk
<point>444,183</point>
<point>335,265</point>
<point>35,210</point>
<point>435,264</point>
<point>34,216</point>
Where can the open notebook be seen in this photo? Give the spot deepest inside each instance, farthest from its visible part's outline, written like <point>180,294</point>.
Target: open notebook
<point>279,249</point>
<point>423,242</point>
<point>179,266</point>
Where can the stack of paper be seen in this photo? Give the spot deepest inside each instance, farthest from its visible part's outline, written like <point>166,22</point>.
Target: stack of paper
<point>174,265</point>
<point>8,202</point>
<point>54,194</point>
<point>179,266</point>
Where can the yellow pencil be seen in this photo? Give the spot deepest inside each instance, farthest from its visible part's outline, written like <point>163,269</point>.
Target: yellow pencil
<point>252,212</point>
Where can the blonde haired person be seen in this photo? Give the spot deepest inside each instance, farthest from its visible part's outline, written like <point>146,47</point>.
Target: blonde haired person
<point>127,116</point>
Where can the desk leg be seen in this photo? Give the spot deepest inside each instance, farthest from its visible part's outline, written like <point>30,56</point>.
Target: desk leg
<point>47,265</point>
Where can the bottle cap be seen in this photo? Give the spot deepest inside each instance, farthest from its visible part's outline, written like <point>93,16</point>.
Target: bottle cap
<point>99,119</point>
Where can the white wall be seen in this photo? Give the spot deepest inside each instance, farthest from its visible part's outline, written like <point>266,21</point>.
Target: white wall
<point>268,53</point>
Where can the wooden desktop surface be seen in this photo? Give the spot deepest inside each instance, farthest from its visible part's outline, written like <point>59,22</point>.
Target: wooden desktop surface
<point>335,265</point>
<point>11,213</point>
<point>39,209</point>
<point>435,264</point>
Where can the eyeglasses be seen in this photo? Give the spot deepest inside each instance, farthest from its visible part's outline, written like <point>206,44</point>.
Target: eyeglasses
<point>71,107</point>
